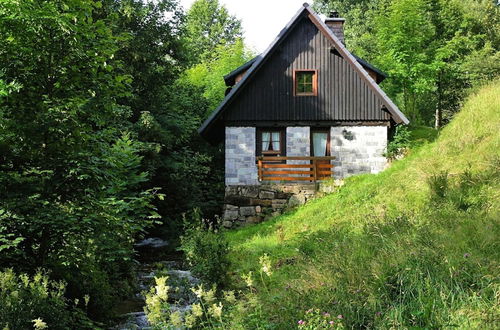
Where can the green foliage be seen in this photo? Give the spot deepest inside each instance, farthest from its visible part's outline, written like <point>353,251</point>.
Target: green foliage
<point>315,319</point>
<point>209,26</point>
<point>70,169</point>
<point>434,51</point>
<point>399,144</point>
<point>394,250</point>
<point>26,301</point>
<point>206,251</point>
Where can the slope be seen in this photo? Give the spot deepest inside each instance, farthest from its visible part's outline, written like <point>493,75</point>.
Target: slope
<point>414,246</point>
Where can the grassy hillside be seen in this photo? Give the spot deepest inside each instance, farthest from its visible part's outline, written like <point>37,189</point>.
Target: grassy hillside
<point>414,246</point>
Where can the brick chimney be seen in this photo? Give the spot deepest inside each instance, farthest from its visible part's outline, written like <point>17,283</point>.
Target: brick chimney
<point>336,24</point>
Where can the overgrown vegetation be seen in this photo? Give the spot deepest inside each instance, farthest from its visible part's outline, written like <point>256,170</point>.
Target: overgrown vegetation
<point>433,50</point>
<point>206,252</point>
<point>98,119</point>
<point>99,106</point>
<point>414,246</point>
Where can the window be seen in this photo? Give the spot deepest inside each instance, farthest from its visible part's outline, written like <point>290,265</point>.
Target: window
<point>306,82</point>
<point>270,142</point>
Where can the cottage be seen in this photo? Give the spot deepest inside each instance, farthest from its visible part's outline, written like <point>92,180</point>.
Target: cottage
<point>303,111</point>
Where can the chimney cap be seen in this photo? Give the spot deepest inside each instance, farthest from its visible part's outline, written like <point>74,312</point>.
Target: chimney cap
<point>333,14</point>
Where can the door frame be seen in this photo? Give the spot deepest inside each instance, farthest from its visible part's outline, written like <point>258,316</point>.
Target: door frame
<point>320,130</point>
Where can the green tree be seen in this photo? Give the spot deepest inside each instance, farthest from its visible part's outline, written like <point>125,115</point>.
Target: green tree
<point>69,167</point>
<point>209,25</point>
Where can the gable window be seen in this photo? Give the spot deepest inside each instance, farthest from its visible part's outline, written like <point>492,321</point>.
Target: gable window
<point>306,82</point>
<point>270,142</point>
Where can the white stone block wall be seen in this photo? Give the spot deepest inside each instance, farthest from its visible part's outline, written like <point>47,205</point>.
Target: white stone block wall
<point>241,168</point>
<point>297,144</point>
<point>358,150</point>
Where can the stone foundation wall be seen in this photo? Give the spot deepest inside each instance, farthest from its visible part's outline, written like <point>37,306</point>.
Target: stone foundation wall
<point>244,204</point>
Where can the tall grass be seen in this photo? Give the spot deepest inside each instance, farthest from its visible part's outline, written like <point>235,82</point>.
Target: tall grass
<point>414,246</point>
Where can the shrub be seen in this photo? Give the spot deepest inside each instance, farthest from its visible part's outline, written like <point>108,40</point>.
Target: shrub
<point>36,301</point>
<point>400,143</point>
<point>206,252</point>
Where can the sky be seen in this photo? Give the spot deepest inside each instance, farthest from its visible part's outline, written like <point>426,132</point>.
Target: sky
<point>262,19</point>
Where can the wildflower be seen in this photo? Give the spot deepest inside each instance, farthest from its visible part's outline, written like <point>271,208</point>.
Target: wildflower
<point>301,322</point>
<point>209,296</point>
<point>340,316</point>
<point>161,287</point>
<point>325,314</point>
<point>229,297</point>
<point>466,255</point>
<point>190,321</point>
<point>309,311</point>
<point>39,324</point>
<point>197,310</point>
<point>378,313</point>
<point>216,310</point>
<point>176,319</point>
<point>248,279</point>
<point>86,298</point>
<point>265,263</point>
<point>199,291</point>
<point>331,323</point>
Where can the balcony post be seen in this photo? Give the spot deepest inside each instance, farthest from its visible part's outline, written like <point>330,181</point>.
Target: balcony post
<point>315,170</point>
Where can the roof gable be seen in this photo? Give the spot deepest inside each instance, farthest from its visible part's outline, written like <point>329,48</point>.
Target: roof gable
<point>213,123</point>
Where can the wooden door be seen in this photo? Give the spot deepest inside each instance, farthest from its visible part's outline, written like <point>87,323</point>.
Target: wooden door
<point>320,147</point>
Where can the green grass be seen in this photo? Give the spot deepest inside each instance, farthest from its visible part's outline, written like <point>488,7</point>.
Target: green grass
<point>416,246</point>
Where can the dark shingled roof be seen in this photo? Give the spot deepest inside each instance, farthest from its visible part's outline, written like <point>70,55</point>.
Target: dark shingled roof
<point>213,121</point>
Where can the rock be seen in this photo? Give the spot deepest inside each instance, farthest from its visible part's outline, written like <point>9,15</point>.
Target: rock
<point>264,194</point>
<point>230,215</point>
<point>296,200</point>
<point>230,207</point>
<point>279,203</point>
<point>261,202</point>
<point>237,200</point>
<point>255,219</point>
<point>227,224</point>
<point>281,195</point>
<point>250,191</point>
<point>152,242</point>
<point>247,211</point>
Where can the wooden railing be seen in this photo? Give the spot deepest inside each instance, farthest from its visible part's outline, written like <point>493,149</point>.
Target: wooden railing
<point>310,169</point>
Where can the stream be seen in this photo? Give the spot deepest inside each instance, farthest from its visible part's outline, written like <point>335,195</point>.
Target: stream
<point>155,256</point>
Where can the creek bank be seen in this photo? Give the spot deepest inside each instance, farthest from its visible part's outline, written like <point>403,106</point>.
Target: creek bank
<point>156,258</point>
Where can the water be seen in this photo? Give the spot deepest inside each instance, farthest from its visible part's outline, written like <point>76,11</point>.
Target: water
<point>152,251</point>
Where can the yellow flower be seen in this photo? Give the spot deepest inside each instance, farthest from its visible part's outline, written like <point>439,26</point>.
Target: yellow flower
<point>210,296</point>
<point>199,291</point>
<point>216,310</point>
<point>176,319</point>
<point>161,287</point>
<point>248,279</point>
<point>265,263</point>
<point>229,297</point>
<point>190,321</point>
<point>39,324</point>
<point>197,310</point>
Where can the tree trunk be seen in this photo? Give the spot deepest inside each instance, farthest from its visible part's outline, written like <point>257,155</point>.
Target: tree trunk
<point>438,117</point>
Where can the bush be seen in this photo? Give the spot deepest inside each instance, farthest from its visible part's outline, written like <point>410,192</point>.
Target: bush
<point>28,301</point>
<point>206,252</point>
<point>400,143</point>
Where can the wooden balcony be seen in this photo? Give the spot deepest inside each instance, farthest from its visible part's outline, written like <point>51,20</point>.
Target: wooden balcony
<point>311,169</point>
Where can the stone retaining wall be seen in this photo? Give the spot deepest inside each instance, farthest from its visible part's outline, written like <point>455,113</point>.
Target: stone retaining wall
<point>246,204</point>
